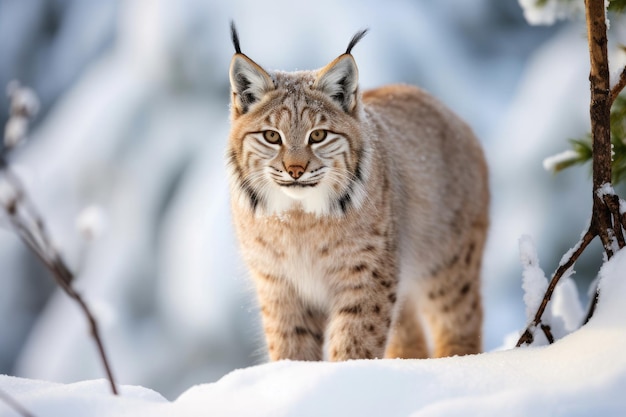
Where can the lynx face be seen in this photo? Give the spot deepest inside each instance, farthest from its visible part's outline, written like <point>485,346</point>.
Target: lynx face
<point>295,141</point>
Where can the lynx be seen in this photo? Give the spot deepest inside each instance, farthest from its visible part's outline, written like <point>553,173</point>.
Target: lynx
<point>361,216</point>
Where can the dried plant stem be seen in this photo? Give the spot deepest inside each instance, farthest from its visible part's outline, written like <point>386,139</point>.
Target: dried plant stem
<point>14,404</point>
<point>30,227</point>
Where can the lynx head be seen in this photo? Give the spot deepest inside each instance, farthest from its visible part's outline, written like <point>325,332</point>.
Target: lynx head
<point>296,139</point>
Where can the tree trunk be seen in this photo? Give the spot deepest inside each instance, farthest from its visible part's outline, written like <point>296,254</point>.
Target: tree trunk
<point>600,112</point>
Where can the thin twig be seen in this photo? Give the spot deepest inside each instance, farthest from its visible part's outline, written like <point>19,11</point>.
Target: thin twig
<point>548,332</point>
<point>563,267</point>
<point>64,278</point>
<point>619,86</point>
<point>14,404</point>
<point>592,306</point>
<point>527,336</point>
<point>38,232</point>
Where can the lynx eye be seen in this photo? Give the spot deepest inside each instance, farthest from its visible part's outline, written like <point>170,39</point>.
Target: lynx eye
<point>317,136</point>
<point>272,136</point>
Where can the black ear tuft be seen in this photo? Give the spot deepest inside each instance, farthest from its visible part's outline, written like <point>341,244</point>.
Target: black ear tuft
<point>355,39</point>
<point>249,82</point>
<point>235,37</point>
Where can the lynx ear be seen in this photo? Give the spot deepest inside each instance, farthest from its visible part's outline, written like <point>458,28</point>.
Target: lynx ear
<point>340,80</point>
<point>249,82</point>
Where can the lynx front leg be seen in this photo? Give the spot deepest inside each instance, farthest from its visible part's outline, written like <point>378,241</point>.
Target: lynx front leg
<point>361,315</point>
<point>292,330</point>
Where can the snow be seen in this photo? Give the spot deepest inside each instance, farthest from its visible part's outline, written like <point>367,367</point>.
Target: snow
<point>564,312</point>
<point>582,374</point>
<point>15,131</point>
<point>552,163</point>
<point>23,99</point>
<point>24,105</point>
<point>605,189</point>
<point>565,303</point>
<point>547,12</point>
<point>534,282</point>
<point>91,222</point>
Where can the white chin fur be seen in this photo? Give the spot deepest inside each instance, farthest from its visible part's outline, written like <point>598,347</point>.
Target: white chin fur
<point>298,193</point>
<point>310,199</point>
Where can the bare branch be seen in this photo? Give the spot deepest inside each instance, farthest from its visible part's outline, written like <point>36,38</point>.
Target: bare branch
<point>38,241</point>
<point>619,86</point>
<point>546,330</point>
<point>14,404</point>
<point>592,306</point>
<point>527,336</point>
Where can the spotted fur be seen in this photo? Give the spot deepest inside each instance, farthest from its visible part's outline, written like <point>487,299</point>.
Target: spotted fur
<point>359,242</point>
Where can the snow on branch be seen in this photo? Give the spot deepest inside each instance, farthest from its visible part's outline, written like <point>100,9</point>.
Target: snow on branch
<point>560,161</point>
<point>24,106</point>
<point>546,319</point>
<point>534,281</point>
<point>565,312</point>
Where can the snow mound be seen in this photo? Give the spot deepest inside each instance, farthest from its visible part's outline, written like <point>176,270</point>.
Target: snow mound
<point>579,375</point>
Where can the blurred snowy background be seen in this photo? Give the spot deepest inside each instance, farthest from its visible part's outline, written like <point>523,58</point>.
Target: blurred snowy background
<point>134,120</point>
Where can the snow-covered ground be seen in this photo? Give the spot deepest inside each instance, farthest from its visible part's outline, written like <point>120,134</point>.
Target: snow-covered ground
<point>583,374</point>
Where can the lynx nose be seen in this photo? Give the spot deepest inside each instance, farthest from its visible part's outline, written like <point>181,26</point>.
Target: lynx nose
<point>295,171</point>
